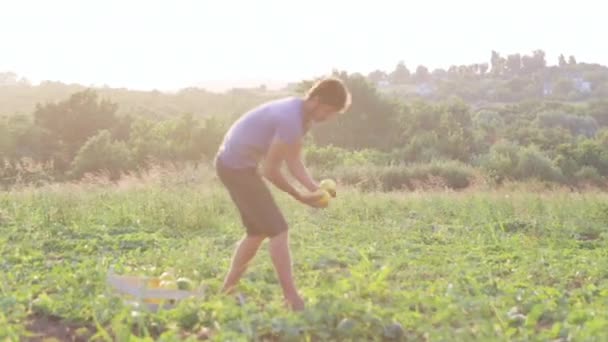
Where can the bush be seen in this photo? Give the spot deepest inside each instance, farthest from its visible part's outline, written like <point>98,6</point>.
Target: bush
<point>456,175</point>
<point>588,174</point>
<point>534,164</point>
<point>451,174</point>
<point>25,171</point>
<point>329,157</point>
<point>100,153</point>
<point>577,125</point>
<point>500,163</point>
<point>507,161</point>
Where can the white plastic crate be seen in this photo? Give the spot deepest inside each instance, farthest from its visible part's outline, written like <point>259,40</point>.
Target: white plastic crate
<point>138,288</point>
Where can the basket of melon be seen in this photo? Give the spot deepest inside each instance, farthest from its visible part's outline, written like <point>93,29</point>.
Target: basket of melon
<point>154,292</point>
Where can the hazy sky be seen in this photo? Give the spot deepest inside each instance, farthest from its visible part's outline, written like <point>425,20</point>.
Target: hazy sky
<point>178,43</point>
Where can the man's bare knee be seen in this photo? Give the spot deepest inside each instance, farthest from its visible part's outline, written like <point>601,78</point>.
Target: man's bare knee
<point>282,236</point>
<point>255,239</point>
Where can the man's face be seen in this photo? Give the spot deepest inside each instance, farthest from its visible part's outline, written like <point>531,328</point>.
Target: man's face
<point>323,112</point>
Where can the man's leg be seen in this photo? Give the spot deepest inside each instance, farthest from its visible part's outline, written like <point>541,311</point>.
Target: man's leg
<point>243,254</point>
<point>281,258</point>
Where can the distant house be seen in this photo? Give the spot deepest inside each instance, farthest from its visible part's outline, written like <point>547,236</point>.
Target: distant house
<point>547,88</point>
<point>383,84</point>
<point>291,86</point>
<point>424,89</point>
<point>581,85</point>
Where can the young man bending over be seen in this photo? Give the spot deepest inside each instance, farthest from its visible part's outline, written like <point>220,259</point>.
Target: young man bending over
<point>268,136</point>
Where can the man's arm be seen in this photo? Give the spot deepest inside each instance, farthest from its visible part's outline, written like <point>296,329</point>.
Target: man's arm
<point>277,153</point>
<point>298,170</point>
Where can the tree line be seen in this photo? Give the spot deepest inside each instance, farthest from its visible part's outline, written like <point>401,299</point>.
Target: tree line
<point>387,139</point>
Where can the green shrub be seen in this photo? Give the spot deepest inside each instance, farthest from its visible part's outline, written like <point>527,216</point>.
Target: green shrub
<point>500,163</point>
<point>456,174</point>
<point>588,174</point>
<point>330,157</point>
<point>100,153</point>
<point>534,164</point>
<point>451,174</point>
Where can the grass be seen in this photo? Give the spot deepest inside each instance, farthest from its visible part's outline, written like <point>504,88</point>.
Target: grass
<point>374,266</point>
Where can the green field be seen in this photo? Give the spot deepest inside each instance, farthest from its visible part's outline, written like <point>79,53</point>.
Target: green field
<point>442,266</point>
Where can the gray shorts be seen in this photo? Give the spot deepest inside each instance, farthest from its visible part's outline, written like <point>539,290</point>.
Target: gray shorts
<point>259,213</point>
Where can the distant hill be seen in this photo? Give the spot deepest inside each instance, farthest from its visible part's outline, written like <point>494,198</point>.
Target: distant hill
<point>20,97</point>
<point>505,79</point>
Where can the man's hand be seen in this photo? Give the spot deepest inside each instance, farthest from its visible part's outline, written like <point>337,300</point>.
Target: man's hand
<point>312,199</point>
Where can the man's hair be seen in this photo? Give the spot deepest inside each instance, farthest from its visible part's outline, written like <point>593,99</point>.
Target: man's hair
<point>331,91</point>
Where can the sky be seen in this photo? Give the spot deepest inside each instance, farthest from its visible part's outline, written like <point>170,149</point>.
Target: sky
<point>172,44</point>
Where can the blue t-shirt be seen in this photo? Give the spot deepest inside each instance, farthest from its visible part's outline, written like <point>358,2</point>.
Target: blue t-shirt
<point>248,139</point>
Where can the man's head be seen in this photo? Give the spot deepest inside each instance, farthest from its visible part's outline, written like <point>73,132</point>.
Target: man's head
<point>326,98</point>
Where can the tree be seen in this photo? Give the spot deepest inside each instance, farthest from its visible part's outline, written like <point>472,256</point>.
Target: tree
<point>456,130</point>
<point>422,73</point>
<point>514,64</point>
<point>369,123</point>
<point>122,128</point>
<point>591,152</point>
<point>539,58</point>
<point>209,136</point>
<point>563,87</point>
<point>535,62</point>
<point>486,124</point>
<point>534,164</point>
<point>599,110</point>
<point>377,76</point>
<point>76,119</point>
<point>439,73</point>
<point>401,74</point>
<point>562,60</point>
<point>572,60</point>
<point>498,64</point>
<point>483,68</point>
<point>495,60</point>
<point>100,153</point>
<point>464,70</point>
<point>453,71</point>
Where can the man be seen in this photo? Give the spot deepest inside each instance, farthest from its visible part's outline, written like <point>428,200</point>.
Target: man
<point>271,134</point>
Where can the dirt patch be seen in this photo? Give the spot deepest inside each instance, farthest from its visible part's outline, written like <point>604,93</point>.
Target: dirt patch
<point>49,328</point>
<point>43,328</point>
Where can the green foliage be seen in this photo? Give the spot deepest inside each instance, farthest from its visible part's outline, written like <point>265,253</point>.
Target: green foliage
<point>372,266</point>
<point>21,138</point>
<point>599,111</point>
<point>588,174</point>
<point>457,120</point>
<point>488,120</point>
<point>101,153</point>
<point>369,114</point>
<point>501,162</point>
<point>436,174</point>
<point>81,134</point>
<point>533,164</point>
<point>577,125</point>
<point>507,161</point>
<point>370,169</point>
<point>430,131</point>
<point>23,98</point>
<point>563,87</point>
<point>329,157</point>
<point>75,120</point>
<point>401,74</point>
<point>175,140</point>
